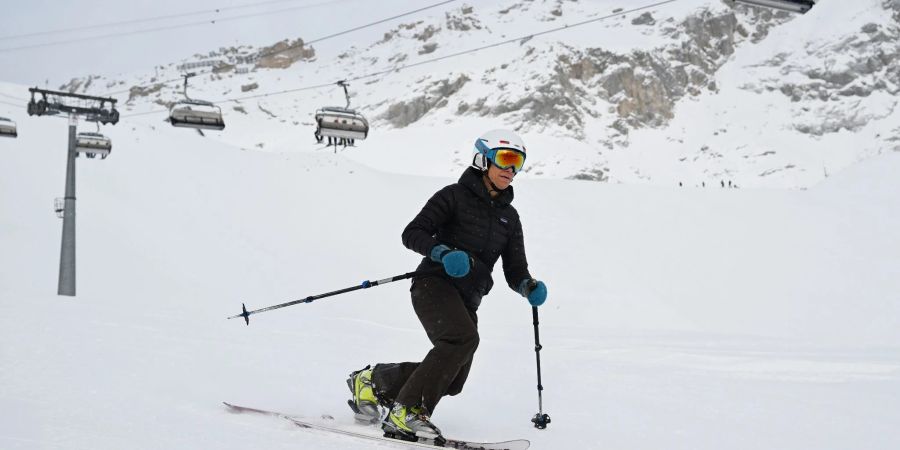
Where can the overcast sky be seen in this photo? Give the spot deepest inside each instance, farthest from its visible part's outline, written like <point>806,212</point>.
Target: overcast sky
<point>307,19</point>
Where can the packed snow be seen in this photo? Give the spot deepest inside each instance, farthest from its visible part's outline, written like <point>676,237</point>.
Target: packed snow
<point>678,317</point>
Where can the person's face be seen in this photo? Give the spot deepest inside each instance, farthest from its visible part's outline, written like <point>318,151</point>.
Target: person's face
<point>500,177</point>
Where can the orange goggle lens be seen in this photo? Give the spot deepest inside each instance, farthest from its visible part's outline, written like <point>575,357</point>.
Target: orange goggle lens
<point>505,158</point>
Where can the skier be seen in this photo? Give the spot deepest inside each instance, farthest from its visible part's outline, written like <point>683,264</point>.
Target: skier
<point>461,231</point>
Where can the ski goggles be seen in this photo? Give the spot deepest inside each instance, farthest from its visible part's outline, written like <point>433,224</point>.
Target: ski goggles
<point>503,158</point>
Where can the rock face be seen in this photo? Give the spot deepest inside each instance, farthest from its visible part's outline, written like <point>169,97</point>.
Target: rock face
<point>428,48</point>
<point>644,19</point>
<point>142,91</point>
<point>436,95</point>
<point>632,90</point>
<point>894,6</point>
<point>834,94</point>
<point>462,19</point>
<point>78,84</point>
<point>284,54</point>
<point>552,100</point>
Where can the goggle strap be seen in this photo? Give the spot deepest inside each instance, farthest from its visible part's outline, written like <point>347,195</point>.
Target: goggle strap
<point>482,147</point>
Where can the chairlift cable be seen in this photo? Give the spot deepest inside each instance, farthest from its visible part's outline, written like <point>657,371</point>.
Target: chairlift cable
<point>508,41</point>
<point>373,23</point>
<point>432,60</point>
<point>166,28</point>
<point>452,55</point>
<point>341,33</point>
<point>144,20</point>
<point>19,105</point>
<point>108,94</point>
<point>13,97</point>
<point>320,39</point>
<point>287,91</point>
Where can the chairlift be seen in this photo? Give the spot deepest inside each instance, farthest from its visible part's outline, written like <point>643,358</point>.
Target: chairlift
<point>93,144</point>
<point>340,123</point>
<point>8,128</point>
<point>103,115</point>
<point>110,115</point>
<point>197,114</point>
<point>795,6</point>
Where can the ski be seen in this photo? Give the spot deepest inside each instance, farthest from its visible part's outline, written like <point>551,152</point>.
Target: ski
<point>422,442</point>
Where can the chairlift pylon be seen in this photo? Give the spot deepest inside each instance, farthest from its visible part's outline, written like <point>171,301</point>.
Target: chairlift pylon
<point>93,144</point>
<point>340,123</point>
<point>8,128</point>
<point>795,6</point>
<point>197,114</point>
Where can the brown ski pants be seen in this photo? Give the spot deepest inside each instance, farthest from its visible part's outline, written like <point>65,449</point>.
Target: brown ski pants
<point>453,331</point>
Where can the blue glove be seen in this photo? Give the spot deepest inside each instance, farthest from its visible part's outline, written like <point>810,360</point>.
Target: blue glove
<point>456,262</point>
<point>535,291</point>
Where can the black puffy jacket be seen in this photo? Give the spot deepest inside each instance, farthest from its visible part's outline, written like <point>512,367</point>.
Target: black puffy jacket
<point>463,216</point>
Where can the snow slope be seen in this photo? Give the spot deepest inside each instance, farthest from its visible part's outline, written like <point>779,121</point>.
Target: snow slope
<point>677,318</point>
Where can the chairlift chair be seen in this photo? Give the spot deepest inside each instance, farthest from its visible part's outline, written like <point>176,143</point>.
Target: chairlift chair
<point>109,116</point>
<point>93,144</point>
<point>795,6</point>
<point>197,114</point>
<point>37,108</point>
<point>337,122</point>
<point>8,128</point>
<point>341,122</point>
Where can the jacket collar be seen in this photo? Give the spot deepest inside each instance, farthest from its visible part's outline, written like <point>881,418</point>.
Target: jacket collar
<point>471,179</point>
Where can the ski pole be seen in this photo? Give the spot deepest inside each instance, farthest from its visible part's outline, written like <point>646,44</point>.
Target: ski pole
<point>540,420</point>
<point>364,285</point>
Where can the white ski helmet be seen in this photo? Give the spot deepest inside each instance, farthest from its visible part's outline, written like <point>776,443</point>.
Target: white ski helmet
<point>487,144</point>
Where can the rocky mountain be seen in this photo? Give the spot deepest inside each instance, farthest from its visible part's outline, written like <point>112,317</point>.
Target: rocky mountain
<point>693,91</point>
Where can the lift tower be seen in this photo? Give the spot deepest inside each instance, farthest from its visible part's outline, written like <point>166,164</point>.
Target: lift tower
<point>91,109</point>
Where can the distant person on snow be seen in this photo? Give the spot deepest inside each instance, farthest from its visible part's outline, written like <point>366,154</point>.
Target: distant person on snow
<point>462,230</point>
